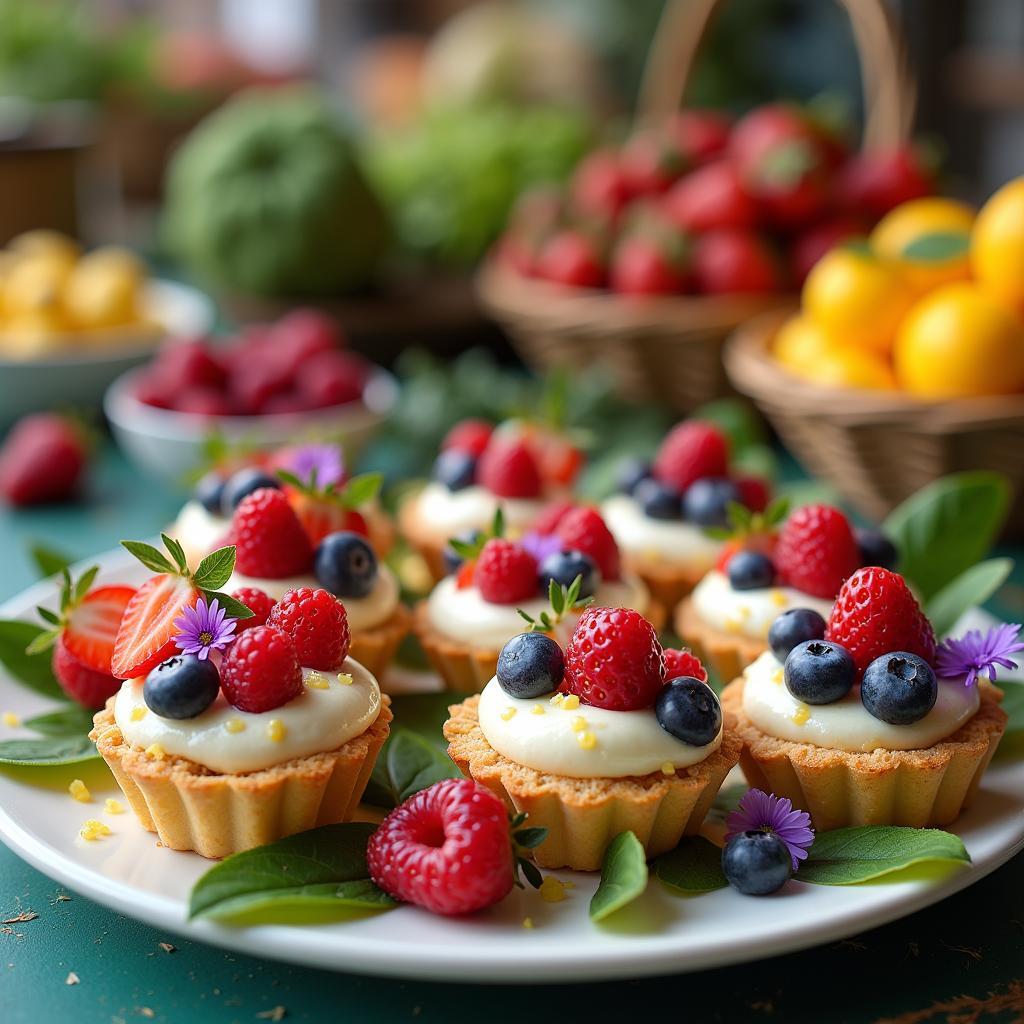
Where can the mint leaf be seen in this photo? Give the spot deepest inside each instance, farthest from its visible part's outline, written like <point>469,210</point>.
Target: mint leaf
<point>149,556</point>
<point>177,552</point>
<point>413,763</point>
<point>846,856</point>
<point>215,569</point>
<point>323,869</point>
<point>231,605</point>
<point>972,587</point>
<point>49,751</point>
<point>67,721</point>
<point>361,489</point>
<point>694,866</point>
<point>49,561</point>
<point>34,670</point>
<point>623,876</point>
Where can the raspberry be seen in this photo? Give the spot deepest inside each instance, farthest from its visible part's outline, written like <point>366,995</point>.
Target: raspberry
<point>261,670</point>
<point>875,614</point>
<point>203,401</point>
<point>755,492</point>
<point>332,378</point>
<point>81,683</point>
<point>816,551</point>
<point>508,469</point>
<point>505,572</point>
<point>190,364</point>
<point>259,603</point>
<point>683,663</point>
<point>447,849</point>
<point>691,451</point>
<point>583,529</point>
<point>318,623</point>
<point>551,515</point>
<point>613,660</point>
<point>469,436</point>
<point>268,537</point>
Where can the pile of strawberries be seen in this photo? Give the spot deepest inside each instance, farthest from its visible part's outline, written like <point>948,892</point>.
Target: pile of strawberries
<point>297,364</point>
<point>706,206</point>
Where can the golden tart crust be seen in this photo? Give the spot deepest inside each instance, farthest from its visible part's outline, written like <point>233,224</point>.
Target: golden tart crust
<point>668,583</point>
<point>375,648</point>
<point>429,542</point>
<point>725,653</point>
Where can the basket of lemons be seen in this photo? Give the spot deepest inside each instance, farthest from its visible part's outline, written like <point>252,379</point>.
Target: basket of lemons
<point>905,360</point>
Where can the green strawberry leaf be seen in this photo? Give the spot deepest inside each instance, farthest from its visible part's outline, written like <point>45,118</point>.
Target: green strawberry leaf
<point>623,876</point>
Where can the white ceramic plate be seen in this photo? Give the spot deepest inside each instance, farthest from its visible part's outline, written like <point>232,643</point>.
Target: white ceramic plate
<point>661,933</point>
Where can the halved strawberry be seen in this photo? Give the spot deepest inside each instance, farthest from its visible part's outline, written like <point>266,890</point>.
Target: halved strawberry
<point>146,635</point>
<point>91,627</point>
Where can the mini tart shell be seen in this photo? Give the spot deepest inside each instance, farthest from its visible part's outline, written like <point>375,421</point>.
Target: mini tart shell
<point>668,583</point>
<point>583,816</point>
<point>429,543</point>
<point>468,669</point>
<point>920,788</point>
<point>726,654</point>
<point>375,648</point>
<point>191,807</point>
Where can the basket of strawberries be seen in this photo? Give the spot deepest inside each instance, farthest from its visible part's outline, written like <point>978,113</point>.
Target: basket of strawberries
<point>658,249</point>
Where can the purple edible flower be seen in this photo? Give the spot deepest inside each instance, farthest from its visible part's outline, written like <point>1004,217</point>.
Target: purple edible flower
<point>323,463</point>
<point>204,628</point>
<point>763,812</point>
<point>540,545</point>
<point>976,653</point>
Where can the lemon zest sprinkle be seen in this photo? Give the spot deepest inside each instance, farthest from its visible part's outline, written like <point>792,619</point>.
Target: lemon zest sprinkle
<point>156,751</point>
<point>743,611</point>
<point>112,806</point>
<point>551,890</point>
<point>571,702</point>
<point>733,625</point>
<point>507,714</point>
<point>579,723</point>
<point>345,678</point>
<point>778,675</point>
<point>93,829</point>
<point>556,699</point>
<point>527,922</point>
<point>234,725</point>
<point>276,730</point>
<point>80,791</point>
<point>537,709</point>
<point>802,713</point>
<point>779,598</point>
<point>315,681</point>
<point>587,740</point>
<point>11,720</point>
<point>668,768</point>
<point>138,713</point>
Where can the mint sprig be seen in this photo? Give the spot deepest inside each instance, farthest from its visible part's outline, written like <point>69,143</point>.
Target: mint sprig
<point>358,491</point>
<point>744,523</point>
<point>469,551</point>
<point>563,599</point>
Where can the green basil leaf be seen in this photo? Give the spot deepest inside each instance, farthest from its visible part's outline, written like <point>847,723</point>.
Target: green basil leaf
<point>972,587</point>
<point>148,555</point>
<point>231,605</point>
<point>361,489</point>
<point>34,670</point>
<point>937,246</point>
<point>325,867</point>
<point>215,569</point>
<point>67,721</point>
<point>49,561</point>
<point>846,856</point>
<point>623,876</point>
<point>694,866</point>
<point>948,526</point>
<point>55,750</point>
<point>414,763</point>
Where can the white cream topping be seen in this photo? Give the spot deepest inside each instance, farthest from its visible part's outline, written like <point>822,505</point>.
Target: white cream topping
<point>748,613</point>
<point>464,615</point>
<point>659,540</point>
<point>472,508</point>
<point>318,720</point>
<point>846,724</point>
<point>620,743</point>
<point>198,531</point>
<point>363,612</point>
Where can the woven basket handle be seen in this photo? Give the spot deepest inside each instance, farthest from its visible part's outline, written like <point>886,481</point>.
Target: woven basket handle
<point>889,94</point>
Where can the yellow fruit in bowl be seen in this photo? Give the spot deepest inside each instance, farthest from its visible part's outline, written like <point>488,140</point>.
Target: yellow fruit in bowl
<point>799,341</point>
<point>103,289</point>
<point>47,244</point>
<point>32,334</point>
<point>997,245</point>
<point>857,298</point>
<point>844,367</point>
<point>34,284</point>
<point>960,341</point>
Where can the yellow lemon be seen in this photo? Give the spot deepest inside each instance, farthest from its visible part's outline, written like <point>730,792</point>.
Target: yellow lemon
<point>34,284</point>
<point>960,341</point>
<point>857,298</point>
<point>31,334</point>
<point>46,243</point>
<point>997,245</point>
<point>103,289</point>
<point>844,367</point>
<point>799,341</point>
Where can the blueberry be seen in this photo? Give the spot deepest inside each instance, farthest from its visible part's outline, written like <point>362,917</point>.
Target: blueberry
<point>793,627</point>
<point>209,491</point>
<point>452,559</point>
<point>757,863</point>
<point>181,687</point>
<point>242,484</point>
<point>876,549</point>
<point>749,570</point>
<point>899,688</point>
<point>689,710</point>
<point>530,665</point>
<point>455,469</point>
<point>564,566</point>
<point>819,672</point>
<point>657,500</point>
<point>345,564</point>
<point>706,502</point>
<point>631,473</point>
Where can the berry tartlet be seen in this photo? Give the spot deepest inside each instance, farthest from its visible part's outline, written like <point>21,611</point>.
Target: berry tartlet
<point>227,734</point>
<point>495,583</point>
<point>666,510</point>
<point>612,734</point>
<point>865,720</point>
<point>519,465</point>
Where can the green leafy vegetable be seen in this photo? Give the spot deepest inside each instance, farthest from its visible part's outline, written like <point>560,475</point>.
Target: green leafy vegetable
<point>694,866</point>
<point>623,876</point>
<point>972,587</point>
<point>49,751</point>
<point>71,720</point>
<point>34,670</point>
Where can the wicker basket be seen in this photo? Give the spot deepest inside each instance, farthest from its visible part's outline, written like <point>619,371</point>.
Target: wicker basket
<point>878,447</point>
<point>670,348</point>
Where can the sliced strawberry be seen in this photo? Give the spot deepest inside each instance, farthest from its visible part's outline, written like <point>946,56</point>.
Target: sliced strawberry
<point>91,627</point>
<point>146,635</point>
<point>321,516</point>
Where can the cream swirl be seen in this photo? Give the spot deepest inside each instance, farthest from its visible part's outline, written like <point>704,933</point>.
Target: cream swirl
<point>472,508</point>
<point>659,540</point>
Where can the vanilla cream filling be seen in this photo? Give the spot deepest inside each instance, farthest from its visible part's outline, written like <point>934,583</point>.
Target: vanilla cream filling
<point>452,512</point>
<point>846,724</point>
<point>198,531</point>
<point>659,540</point>
<point>463,614</point>
<point>582,742</point>
<point>748,613</point>
<point>227,740</point>
<point>363,612</point>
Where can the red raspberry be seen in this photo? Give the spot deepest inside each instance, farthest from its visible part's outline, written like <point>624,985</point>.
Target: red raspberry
<point>816,551</point>
<point>508,469</point>
<point>318,623</point>
<point>755,492</point>
<point>469,436</point>
<point>683,663</point>
<point>81,683</point>
<point>332,378</point>
<point>583,529</point>
<point>259,603</point>
<point>875,614</point>
<point>505,572</point>
<point>261,670</point>
<point>268,537</point>
<point>551,515</point>
<point>613,660</point>
<point>190,364</point>
<point>447,849</point>
<point>691,451</point>
<point>203,401</point>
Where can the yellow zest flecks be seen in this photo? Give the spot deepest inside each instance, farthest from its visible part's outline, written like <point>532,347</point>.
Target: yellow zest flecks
<point>276,730</point>
<point>587,740</point>
<point>556,699</point>
<point>93,830</point>
<point>112,806</point>
<point>527,922</point>
<point>537,709</point>
<point>315,681</point>
<point>80,791</point>
<point>156,751</point>
<point>743,612</point>
<point>778,676</point>
<point>11,720</point>
<point>551,890</point>
<point>234,725</point>
<point>571,702</point>
<point>345,678</point>
<point>668,768</point>
<point>779,598</point>
<point>651,555</point>
<point>802,713</point>
<point>733,625</point>
<point>579,723</point>
<point>138,713</point>
<point>508,714</point>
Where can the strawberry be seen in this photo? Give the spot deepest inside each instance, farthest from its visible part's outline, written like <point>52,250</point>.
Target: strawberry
<point>599,189</point>
<point>81,683</point>
<point>874,182</point>
<point>146,635</point>
<point>508,468</point>
<point>551,515</point>
<point>505,573</point>
<point>735,262</point>
<point>469,436</point>
<point>583,530</point>
<point>683,663</point>
<point>702,135</point>
<point>651,161</point>
<point>875,613</point>
<point>816,551</point>
<point>692,450</point>
<point>42,460</point>
<point>710,198</point>
<point>643,264</point>
<point>570,258</point>
<point>261,670</point>
<point>269,539</point>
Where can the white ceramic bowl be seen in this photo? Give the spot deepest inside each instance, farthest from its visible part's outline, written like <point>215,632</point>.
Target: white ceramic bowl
<point>168,445</point>
<point>79,378</point>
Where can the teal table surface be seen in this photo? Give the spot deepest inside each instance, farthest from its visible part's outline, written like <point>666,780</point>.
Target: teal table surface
<point>961,961</point>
